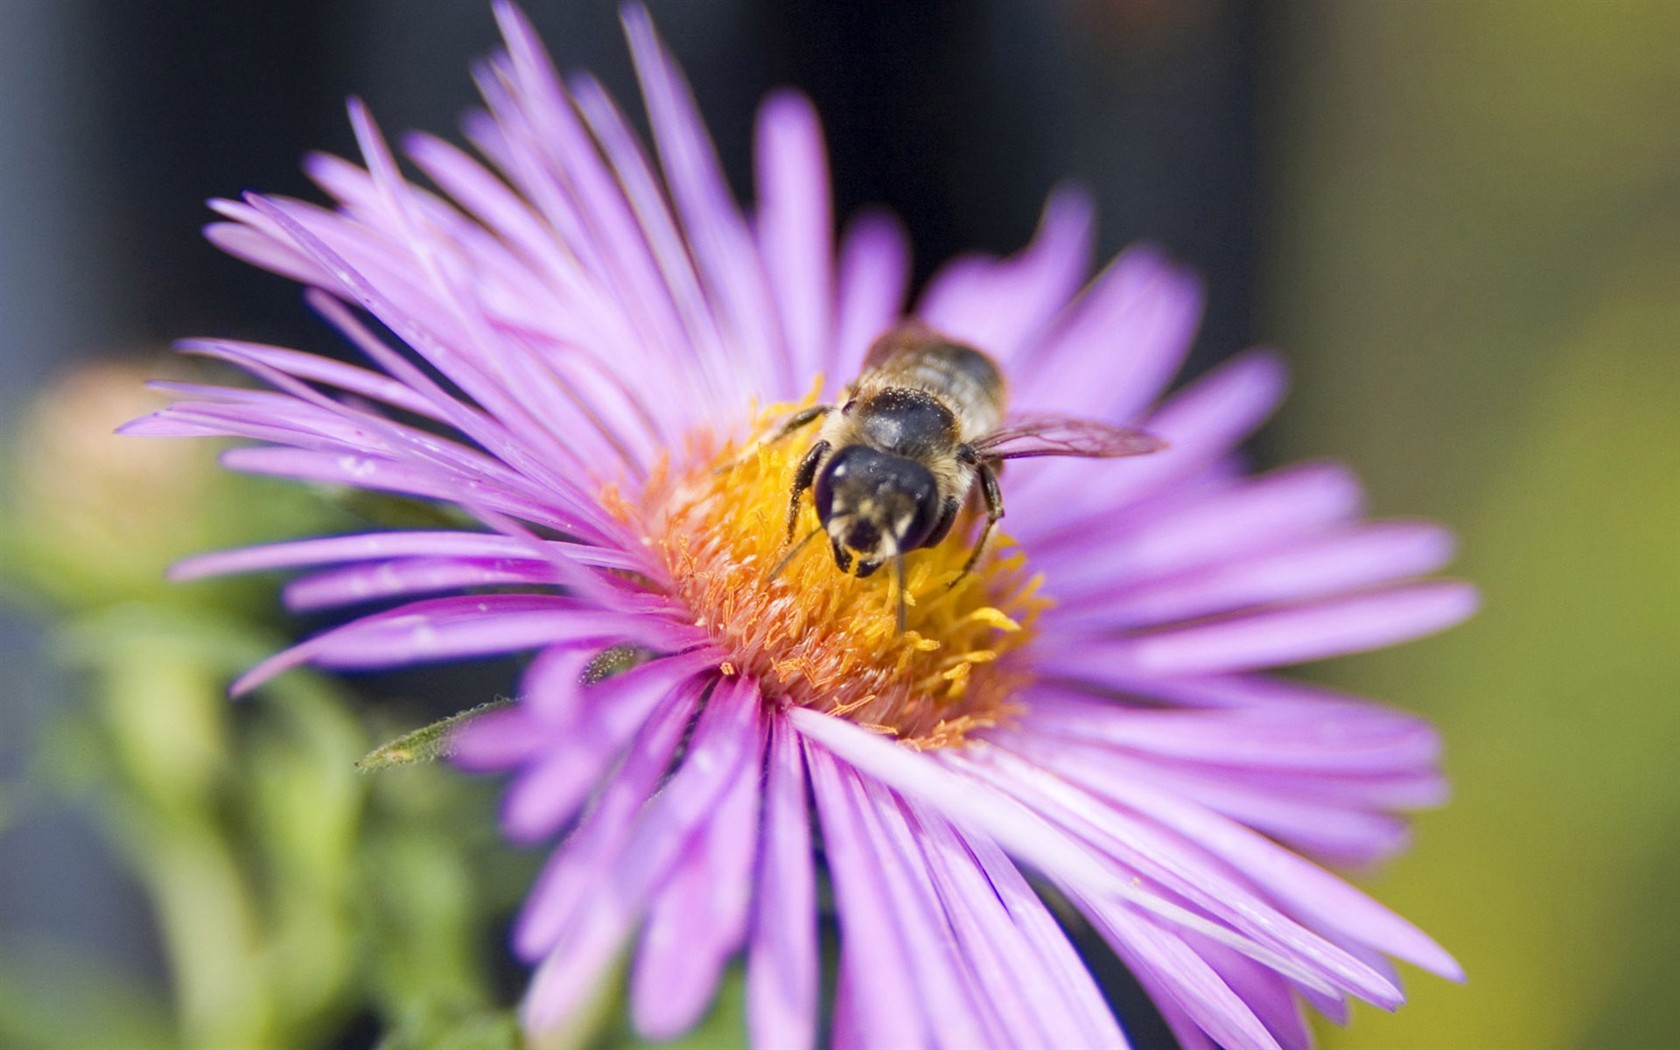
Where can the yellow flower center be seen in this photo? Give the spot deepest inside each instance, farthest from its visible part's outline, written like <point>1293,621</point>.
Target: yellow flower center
<point>816,637</point>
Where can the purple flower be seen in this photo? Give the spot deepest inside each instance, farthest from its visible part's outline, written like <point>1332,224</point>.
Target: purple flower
<point>591,347</point>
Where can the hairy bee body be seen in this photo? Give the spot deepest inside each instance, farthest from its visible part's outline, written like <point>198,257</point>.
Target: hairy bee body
<point>920,429</point>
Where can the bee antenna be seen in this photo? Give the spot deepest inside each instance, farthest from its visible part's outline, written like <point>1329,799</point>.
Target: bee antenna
<point>793,552</point>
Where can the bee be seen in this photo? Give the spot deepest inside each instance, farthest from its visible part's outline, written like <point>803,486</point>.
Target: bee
<point>919,432</point>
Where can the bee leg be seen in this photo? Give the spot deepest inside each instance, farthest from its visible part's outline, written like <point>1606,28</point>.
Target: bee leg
<point>990,489</point>
<point>799,419</point>
<point>793,552</point>
<point>802,479</point>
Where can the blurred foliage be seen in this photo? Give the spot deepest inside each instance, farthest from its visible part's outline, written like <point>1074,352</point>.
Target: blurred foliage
<point>292,895</point>
<point>1477,268</point>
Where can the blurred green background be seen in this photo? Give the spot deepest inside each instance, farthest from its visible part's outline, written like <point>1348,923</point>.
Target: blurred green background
<point>1476,266</point>
<point>1461,221</point>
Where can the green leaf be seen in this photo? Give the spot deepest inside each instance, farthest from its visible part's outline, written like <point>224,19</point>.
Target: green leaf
<point>428,743</point>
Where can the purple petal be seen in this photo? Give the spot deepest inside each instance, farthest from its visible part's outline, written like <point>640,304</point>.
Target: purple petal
<point>392,579</point>
<point>361,546</point>
<point>647,198</point>
<point>1201,424</point>
<point>874,274</point>
<point>320,370</point>
<point>1087,1009</point>
<point>1322,737</point>
<point>974,805</point>
<point>796,229</point>
<point>574,875</point>
<point>1000,306</point>
<point>629,846</point>
<point>874,960</point>
<point>1177,973</point>
<point>1222,524</point>
<point>699,918</point>
<point>1026,967</point>
<point>1132,326</point>
<point>717,235</point>
<point>782,965</point>
<point>583,748</point>
<point>1271,998</point>
<point>1281,636</point>
<point>1319,898</point>
<point>594,890</point>
<point>1179,868</point>
<point>958,1007</point>
<point>1321,567</point>
<point>441,629</point>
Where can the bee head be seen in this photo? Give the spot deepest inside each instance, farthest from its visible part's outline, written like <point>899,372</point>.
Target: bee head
<point>875,504</point>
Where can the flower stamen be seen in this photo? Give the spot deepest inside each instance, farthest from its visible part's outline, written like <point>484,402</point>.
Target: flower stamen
<point>816,637</point>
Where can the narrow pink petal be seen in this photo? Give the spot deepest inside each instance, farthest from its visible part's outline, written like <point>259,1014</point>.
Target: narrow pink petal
<point>958,1006</point>
<point>974,805</point>
<point>1280,637</point>
<point>707,363</point>
<point>723,249</point>
<point>553,790</point>
<point>1222,524</point>
<point>618,239</point>
<point>1326,737</point>
<point>389,475</point>
<point>440,629</point>
<point>874,275</point>
<point>699,919</point>
<point>564,697</point>
<point>1201,424</point>
<point>851,1025</point>
<point>596,888</point>
<point>1188,982</point>
<point>505,738</point>
<point>1088,1016</point>
<point>1024,963</point>
<point>1271,998</point>
<point>400,304</point>
<point>319,370</point>
<point>1342,832</point>
<point>552,410</point>
<point>876,965</point>
<point>361,546</point>
<point>1355,558</point>
<point>1180,868</point>
<point>782,964</point>
<point>393,579</point>
<point>796,230</point>
<point>1000,306</point>
<point>1114,349</point>
<point>1284,696</point>
<point>252,244</point>
<point>1322,900</point>
<point>572,880</point>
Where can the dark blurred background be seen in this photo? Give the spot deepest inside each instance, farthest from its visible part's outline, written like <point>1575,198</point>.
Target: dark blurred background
<point>1461,220</point>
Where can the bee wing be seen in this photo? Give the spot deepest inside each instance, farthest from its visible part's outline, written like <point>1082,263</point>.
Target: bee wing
<point>1050,434</point>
